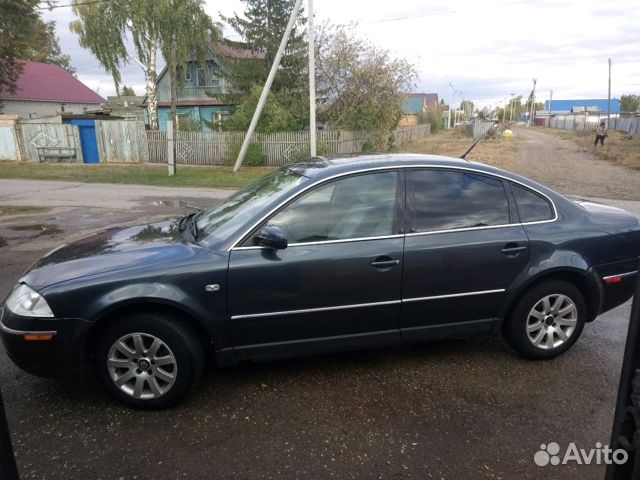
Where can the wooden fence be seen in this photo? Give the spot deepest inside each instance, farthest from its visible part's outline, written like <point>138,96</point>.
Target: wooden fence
<point>128,141</point>
<point>221,148</point>
<point>31,136</point>
<point>121,141</point>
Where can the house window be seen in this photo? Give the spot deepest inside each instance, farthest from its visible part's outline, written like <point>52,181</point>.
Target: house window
<point>202,77</point>
<point>187,72</point>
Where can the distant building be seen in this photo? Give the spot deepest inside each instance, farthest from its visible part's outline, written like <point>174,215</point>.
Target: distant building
<point>44,89</point>
<point>416,104</point>
<point>201,96</point>
<point>581,106</point>
<point>127,107</point>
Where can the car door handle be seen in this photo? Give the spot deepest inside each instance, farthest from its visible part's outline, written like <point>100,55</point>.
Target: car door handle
<point>384,262</point>
<point>512,249</point>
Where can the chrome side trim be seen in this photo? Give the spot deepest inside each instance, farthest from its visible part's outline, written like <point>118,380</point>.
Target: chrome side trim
<point>322,242</point>
<point>453,295</point>
<point>398,167</point>
<point>364,305</point>
<point>314,310</point>
<point>627,274</point>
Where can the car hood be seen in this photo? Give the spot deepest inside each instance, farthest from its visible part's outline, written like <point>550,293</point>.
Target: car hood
<point>111,250</point>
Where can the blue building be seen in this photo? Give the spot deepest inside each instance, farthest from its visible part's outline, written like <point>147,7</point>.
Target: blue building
<point>200,97</point>
<point>581,106</point>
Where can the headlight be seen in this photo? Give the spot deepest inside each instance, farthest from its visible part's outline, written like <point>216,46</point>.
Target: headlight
<point>26,302</point>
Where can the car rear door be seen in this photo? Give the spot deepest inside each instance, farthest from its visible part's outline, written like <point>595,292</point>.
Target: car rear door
<point>464,247</point>
<point>338,283</point>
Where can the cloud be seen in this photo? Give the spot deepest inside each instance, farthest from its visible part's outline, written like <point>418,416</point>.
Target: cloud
<point>485,49</point>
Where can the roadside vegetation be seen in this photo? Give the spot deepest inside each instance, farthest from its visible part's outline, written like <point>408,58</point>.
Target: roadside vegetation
<point>619,147</point>
<point>188,176</point>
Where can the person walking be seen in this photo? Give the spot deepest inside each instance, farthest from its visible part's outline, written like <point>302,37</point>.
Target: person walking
<point>601,132</point>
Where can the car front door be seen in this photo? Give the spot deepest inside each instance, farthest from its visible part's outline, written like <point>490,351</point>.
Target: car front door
<point>337,285</point>
<point>464,247</point>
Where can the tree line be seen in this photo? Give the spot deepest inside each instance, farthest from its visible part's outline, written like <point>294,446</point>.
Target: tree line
<point>359,85</point>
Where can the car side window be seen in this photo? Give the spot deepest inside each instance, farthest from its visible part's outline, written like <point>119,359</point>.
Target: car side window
<point>355,207</point>
<point>447,199</point>
<point>531,206</point>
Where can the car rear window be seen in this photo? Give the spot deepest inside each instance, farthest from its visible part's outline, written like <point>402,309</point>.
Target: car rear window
<point>532,207</point>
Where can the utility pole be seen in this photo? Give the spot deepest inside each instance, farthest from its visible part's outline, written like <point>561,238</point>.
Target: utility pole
<point>511,110</point>
<point>533,102</point>
<point>267,85</point>
<point>550,101</point>
<point>609,98</point>
<point>312,79</point>
<point>504,112</point>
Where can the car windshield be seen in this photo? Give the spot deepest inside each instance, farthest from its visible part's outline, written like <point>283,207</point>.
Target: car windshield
<point>226,218</point>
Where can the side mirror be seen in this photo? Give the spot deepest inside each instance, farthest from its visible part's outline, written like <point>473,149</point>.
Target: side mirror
<point>271,236</point>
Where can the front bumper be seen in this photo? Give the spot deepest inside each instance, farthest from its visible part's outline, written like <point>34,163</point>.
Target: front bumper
<point>60,357</point>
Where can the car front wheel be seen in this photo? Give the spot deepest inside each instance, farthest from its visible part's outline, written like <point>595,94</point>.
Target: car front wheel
<point>547,320</point>
<point>149,361</point>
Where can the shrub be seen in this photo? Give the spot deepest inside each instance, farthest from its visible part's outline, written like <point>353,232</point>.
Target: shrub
<point>253,158</point>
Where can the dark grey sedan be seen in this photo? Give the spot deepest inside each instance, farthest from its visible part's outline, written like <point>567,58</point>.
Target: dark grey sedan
<point>321,256</point>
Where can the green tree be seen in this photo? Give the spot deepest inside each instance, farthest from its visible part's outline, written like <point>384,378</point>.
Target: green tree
<point>172,26</point>
<point>103,28</point>
<point>274,118</point>
<point>261,27</point>
<point>629,103</point>
<point>17,19</point>
<point>185,33</point>
<point>360,86</point>
<point>43,46</point>
<point>127,92</point>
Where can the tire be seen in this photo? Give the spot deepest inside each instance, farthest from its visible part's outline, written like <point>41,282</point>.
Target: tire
<point>149,361</point>
<point>540,329</point>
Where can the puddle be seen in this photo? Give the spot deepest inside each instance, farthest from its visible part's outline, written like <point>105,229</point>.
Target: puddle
<point>41,229</point>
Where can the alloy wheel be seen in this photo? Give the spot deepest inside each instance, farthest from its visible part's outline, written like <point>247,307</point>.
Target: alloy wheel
<point>551,321</point>
<point>142,366</point>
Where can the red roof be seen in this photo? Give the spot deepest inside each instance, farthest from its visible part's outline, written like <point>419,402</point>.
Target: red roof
<point>50,83</point>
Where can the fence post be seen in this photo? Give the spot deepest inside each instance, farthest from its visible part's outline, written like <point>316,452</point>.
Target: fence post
<point>171,159</point>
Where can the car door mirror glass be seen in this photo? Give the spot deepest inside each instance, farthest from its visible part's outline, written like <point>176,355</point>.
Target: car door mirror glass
<point>271,236</point>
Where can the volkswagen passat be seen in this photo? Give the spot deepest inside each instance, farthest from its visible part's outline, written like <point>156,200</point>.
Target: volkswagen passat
<point>323,256</point>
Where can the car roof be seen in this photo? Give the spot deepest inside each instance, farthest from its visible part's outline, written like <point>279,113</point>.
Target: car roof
<point>319,167</point>
<point>322,167</point>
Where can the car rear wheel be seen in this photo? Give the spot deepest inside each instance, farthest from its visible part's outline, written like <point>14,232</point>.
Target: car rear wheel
<point>149,361</point>
<point>547,320</point>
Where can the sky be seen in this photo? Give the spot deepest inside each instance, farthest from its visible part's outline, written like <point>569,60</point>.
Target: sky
<point>480,51</point>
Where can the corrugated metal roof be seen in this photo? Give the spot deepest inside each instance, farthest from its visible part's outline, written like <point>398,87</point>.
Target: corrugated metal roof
<point>592,103</point>
<point>45,82</point>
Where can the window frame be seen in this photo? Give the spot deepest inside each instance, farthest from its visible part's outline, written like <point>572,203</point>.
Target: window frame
<point>410,214</point>
<point>554,214</point>
<point>246,241</point>
<point>236,242</point>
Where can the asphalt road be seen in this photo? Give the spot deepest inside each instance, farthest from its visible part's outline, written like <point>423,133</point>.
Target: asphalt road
<point>460,408</point>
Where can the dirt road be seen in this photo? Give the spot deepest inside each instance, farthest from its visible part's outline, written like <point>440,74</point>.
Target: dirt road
<point>569,168</point>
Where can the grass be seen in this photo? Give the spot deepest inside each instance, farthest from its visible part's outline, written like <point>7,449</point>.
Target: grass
<point>17,209</point>
<point>619,147</point>
<point>187,176</point>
